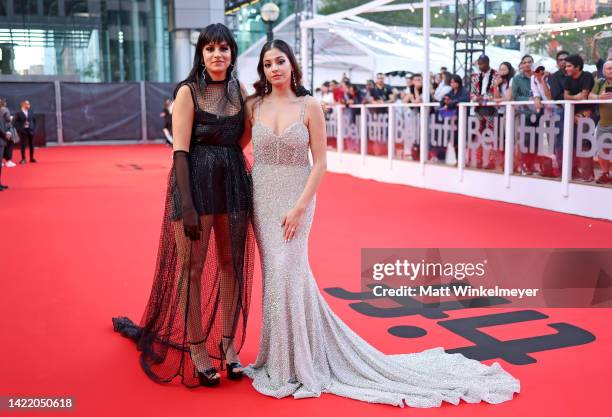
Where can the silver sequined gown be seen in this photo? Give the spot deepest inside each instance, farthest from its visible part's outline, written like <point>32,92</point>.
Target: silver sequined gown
<point>305,349</point>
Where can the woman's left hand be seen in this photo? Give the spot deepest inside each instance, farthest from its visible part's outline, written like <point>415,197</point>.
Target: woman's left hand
<point>291,222</point>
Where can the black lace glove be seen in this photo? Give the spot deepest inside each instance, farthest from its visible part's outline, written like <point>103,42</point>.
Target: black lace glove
<point>191,220</point>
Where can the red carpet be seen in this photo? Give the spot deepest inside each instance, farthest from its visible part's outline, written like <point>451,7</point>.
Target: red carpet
<point>79,234</point>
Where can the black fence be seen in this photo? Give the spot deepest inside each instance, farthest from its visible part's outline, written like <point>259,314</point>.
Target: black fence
<point>85,112</point>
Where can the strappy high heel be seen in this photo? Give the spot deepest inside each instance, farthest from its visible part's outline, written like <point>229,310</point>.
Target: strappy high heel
<point>232,374</point>
<point>207,378</point>
<point>231,367</point>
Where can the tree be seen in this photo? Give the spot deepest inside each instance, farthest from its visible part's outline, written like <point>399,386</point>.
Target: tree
<point>574,41</point>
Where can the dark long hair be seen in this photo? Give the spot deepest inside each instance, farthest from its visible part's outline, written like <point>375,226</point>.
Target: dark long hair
<point>510,74</point>
<point>458,80</point>
<point>260,85</point>
<point>215,33</point>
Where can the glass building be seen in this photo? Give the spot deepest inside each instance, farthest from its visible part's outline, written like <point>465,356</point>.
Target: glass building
<point>244,18</point>
<point>86,40</point>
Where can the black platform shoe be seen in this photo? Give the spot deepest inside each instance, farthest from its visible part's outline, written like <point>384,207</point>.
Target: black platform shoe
<point>207,378</point>
<point>232,373</point>
<point>231,367</point>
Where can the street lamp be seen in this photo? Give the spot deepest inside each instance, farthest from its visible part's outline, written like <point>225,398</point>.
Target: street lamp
<point>269,14</point>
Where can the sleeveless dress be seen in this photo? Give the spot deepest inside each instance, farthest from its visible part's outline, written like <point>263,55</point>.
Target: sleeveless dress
<point>305,349</point>
<point>200,296</point>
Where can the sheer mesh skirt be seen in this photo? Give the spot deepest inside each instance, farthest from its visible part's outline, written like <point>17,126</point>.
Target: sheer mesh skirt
<point>198,308</point>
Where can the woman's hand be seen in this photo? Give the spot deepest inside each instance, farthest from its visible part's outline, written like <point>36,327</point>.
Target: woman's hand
<point>191,223</point>
<point>291,222</point>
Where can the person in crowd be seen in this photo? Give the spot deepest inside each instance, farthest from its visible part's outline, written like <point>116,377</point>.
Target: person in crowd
<point>327,97</point>
<point>396,95</point>
<point>415,91</point>
<point>556,82</point>
<point>456,95</point>
<point>166,114</point>
<point>406,91</point>
<point>443,87</point>
<point>435,80</point>
<point>5,138</point>
<point>540,88</point>
<point>25,126</point>
<point>448,104</point>
<point>338,92</point>
<point>602,90</point>
<point>578,86</point>
<point>503,84</point>
<point>381,93</point>
<point>521,91</point>
<point>482,90</point>
<point>353,96</point>
<point>5,115</point>
<point>369,87</point>
<point>502,92</point>
<point>599,62</point>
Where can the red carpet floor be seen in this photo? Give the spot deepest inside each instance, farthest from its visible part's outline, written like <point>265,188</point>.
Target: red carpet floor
<point>79,234</point>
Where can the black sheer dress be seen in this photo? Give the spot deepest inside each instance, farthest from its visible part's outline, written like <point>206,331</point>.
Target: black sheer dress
<point>197,312</point>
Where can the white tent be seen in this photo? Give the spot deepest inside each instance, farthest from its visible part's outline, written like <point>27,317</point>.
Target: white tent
<point>361,48</point>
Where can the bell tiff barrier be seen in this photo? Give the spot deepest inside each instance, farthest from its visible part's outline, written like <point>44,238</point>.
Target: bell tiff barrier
<point>93,112</point>
<point>509,151</point>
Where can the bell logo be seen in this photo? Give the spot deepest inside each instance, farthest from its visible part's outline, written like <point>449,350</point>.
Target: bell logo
<point>600,147</point>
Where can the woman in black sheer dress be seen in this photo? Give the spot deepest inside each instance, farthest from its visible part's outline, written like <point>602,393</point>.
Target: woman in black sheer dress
<point>195,319</point>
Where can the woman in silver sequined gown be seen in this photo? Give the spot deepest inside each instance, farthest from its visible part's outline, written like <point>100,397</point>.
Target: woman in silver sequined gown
<point>305,349</point>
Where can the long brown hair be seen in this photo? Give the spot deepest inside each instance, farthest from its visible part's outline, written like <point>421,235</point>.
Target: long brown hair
<point>260,85</point>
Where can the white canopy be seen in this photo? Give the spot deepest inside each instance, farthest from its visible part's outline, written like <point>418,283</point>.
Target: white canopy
<point>361,48</point>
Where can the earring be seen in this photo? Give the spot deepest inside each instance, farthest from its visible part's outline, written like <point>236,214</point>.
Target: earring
<point>203,71</point>
<point>294,82</point>
<point>232,78</point>
<point>266,87</point>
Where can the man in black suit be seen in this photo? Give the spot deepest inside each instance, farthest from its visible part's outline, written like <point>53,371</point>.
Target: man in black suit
<point>24,124</point>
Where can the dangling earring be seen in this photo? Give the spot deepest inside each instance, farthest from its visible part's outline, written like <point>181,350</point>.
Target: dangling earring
<point>294,82</point>
<point>203,71</point>
<point>266,87</point>
<point>232,77</point>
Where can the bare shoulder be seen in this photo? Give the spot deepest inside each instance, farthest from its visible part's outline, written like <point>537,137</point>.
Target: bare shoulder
<point>249,102</point>
<point>313,108</point>
<point>183,93</point>
<point>183,98</point>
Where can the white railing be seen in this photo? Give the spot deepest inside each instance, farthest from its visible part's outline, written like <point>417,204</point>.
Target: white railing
<point>402,171</point>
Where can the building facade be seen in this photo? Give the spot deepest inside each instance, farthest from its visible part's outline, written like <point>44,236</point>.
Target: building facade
<point>101,40</point>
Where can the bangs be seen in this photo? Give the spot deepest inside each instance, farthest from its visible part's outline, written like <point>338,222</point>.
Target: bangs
<point>218,34</point>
